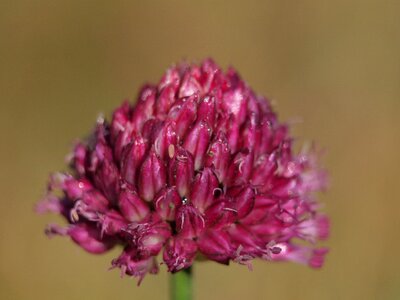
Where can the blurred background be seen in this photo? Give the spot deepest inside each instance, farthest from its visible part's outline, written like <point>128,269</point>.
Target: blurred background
<point>333,65</point>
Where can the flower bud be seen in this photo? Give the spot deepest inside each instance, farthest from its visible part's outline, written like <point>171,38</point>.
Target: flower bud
<point>132,265</point>
<point>243,197</point>
<point>216,245</point>
<point>197,142</point>
<point>132,207</point>
<point>132,158</point>
<point>189,222</point>
<point>90,239</point>
<point>167,203</point>
<point>203,188</point>
<point>181,170</point>
<point>148,236</point>
<point>183,113</point>
<point>152,177</point>
<point>179,253</point>
<point>218,156</point>
<point>144,108</point>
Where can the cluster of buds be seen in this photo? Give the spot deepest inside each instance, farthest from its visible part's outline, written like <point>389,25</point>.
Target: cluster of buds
<point>198,166</point>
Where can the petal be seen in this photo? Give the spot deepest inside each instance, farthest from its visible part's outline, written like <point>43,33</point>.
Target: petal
<point>189,222</point>
<point>132,207</point>
<point>144,108</point>
<point>203,187</point>
<point>207,111</point>
<point>132,158</point>
<point>165,139</point>
<point>241,168</point>
<point>218,156</point>
<point>216,245</point>
<point>179,253</point>
<point>152,177</point>
<point>197,142</point>
<point>167,202</point>
<point>181,171</point>
<point>89,237</point>
<point>132,265</point>
<point>183,113</point>
<point>244,197</point>
<point>220,214</point>
<point>189,86</point>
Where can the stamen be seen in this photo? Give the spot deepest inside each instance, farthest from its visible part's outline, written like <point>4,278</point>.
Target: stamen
<point>171,151</point>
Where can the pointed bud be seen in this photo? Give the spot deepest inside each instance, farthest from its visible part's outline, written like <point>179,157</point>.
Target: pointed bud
<point>120,119</point>
<point>144,108</point>
<point>123,139</point>
<point>280,134</point>
<point>181,171</point>
<point>220,214</point>
<point>132,265</point>
<point>132,159</point>
<point>211,76</point>
<point>207,110</point>
<point>132,207</point>
<point>197,142</point>
<point>183,114</point>
<point>148,236</point>
<point>235,104</point>
<point>242,235</point>
<point>262,207</point>
<point>106,173</point>
<point>230,128</point>
<point>165,99</point>
<point>218,156</point>
<point>75,189</point>
<point>179,253</point>
<point>203,188</point>
<point>243,198</point>
<point>111,223</point>
<point>106,178</point>
<point>152,177</point>
<point>216,245</point>
<point>265,167</point>
<point>189,222</point>
<point>266,128</point>
<point>151,130</point>
<point>89,206</point>
<point>166,139</point>
<point>189,86</point>
<point>167,203</point>
<point>80,158</point>
<point>241,168</point>
<point>170,78</point>
<point>251,135</point>
<point>96,201</point>
<point>89,238</point>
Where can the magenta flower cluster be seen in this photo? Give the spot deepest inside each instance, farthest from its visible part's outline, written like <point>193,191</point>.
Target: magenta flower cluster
<point>199,166</point>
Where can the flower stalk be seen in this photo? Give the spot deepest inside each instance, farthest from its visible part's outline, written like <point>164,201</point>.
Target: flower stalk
<point>181,285</point>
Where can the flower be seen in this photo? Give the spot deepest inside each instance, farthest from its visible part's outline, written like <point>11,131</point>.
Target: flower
<point>198,166</point>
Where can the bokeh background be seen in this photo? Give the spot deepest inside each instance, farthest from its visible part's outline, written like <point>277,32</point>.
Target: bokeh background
<point>331,67</point>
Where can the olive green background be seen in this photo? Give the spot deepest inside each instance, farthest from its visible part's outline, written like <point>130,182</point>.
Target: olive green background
<point>332,69</point>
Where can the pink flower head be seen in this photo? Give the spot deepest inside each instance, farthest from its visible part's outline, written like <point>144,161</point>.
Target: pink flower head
<point>199,165</point>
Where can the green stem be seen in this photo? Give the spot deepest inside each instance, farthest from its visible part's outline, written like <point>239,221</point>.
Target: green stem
<point>181,285</point>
